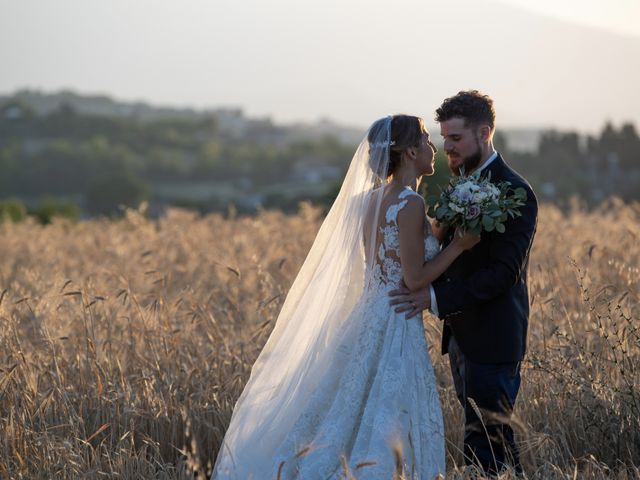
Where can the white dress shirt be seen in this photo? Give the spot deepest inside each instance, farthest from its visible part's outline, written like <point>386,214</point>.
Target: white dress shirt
<point>434,301</point>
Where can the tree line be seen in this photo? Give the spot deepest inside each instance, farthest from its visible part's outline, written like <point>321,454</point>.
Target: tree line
<point>86,164</point>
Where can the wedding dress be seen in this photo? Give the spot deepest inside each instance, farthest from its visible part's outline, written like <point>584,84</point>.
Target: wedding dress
<point>361,395</point>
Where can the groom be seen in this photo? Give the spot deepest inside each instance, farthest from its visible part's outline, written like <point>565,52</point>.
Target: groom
<point>482,297</point>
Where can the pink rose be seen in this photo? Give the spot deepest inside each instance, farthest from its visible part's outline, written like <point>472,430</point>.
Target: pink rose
<point>472,212</point>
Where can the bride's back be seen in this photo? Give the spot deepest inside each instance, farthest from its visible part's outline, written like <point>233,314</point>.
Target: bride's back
<point>381,232</point>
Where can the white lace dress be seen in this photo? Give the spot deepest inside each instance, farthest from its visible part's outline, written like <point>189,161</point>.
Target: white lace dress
<point>384,402</point>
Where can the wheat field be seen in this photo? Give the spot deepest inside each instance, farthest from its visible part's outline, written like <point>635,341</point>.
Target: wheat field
<point>124,344</point>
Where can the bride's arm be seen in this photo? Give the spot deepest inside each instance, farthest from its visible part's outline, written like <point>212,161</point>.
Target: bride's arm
<point>418,273</point>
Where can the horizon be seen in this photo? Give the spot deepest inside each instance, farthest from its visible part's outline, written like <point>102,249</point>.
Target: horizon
<point>431,125</point>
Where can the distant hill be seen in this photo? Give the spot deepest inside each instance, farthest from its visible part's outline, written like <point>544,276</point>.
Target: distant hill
<point>43,103</point>
<point>232,120</point>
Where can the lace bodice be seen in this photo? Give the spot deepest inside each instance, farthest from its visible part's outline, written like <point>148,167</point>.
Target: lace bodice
<point>387,269</point>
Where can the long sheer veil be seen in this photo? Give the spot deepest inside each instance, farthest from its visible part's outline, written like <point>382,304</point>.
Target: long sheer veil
<point>328,286</point>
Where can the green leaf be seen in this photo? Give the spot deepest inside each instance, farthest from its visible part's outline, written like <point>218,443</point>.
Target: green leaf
<point>500,228</point>
<point>432,200</point>
<point>440,211</point>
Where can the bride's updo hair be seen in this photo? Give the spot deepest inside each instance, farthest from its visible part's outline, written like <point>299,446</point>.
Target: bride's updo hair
<point>406,132</point>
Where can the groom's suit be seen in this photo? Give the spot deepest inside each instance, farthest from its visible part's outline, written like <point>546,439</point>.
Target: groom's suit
<point>483,300</point>
<point>483,295</point>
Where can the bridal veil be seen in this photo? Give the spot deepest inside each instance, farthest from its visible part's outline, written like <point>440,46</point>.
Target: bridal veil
<point>329,284</point>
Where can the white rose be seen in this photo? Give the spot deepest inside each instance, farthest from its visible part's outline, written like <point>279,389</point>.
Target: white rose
<point>479,197</point>
<point>455,207</point>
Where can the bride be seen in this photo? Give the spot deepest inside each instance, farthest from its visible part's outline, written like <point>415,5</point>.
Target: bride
<point>345,384</point>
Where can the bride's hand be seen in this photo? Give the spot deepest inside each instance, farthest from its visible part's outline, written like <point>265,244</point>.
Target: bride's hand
<point>467,240</point>
<point>439,230</point>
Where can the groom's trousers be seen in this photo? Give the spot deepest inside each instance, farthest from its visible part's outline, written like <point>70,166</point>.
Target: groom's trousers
<point>492,388</point>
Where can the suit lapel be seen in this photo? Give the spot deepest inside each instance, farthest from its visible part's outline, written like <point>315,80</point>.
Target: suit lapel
<point>496,168</point>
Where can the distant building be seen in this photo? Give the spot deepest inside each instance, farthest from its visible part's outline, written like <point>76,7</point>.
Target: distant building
<point>13,111</point>
<point>314,172</point>
<point>231,122</point>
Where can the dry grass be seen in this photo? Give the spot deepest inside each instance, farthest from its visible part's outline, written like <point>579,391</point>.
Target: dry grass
<point>125,344</point>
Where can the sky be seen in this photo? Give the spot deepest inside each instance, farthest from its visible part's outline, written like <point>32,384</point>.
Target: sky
<point>563,64</point>
<point>617,16</point>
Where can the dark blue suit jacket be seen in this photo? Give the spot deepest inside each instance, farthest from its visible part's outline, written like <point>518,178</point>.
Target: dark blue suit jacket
<point>483,296</point>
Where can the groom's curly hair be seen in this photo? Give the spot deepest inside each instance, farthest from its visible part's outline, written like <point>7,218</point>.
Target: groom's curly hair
<point>471,105</point>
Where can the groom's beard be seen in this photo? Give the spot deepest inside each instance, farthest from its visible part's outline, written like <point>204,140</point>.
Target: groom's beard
<point>469,163</point>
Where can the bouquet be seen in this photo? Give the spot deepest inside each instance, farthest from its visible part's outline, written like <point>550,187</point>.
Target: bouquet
<point>476,204</point>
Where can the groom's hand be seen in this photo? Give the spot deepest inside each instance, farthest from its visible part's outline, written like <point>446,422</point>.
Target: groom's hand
<point>411,302</point>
